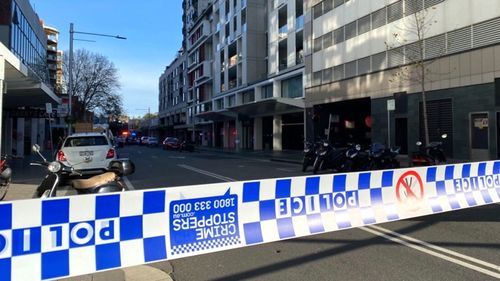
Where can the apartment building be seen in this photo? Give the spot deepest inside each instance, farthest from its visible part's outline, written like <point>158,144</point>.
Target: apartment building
<point>172,100</point>
<point>352,58</point>
<point>256,99</point>
<point>23,53</point>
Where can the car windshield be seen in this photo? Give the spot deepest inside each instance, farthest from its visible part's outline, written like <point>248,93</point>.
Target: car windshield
<point>172,140</point>
<point>85,141</point>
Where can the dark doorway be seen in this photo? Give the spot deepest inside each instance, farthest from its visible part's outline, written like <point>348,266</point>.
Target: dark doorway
<point>247,134</point>
<point>292,130</point>
<point>498,135</point>
<point>439,121</point>
<point>267,133</point>
<point>401,132</point>
<point>219,134</point>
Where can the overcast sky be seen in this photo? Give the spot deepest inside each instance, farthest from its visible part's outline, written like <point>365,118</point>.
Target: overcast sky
<point>153,31</point>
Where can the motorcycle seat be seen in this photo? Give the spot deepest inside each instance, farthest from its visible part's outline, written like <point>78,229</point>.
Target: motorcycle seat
<point>94,181</point>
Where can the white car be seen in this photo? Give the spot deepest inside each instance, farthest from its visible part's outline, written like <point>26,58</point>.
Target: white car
<point>87,152</point>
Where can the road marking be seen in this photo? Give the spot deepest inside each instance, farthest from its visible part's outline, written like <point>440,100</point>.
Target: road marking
<point>129,185</point>
<point>206,173</point>
<point>177,157</point>
<point>154,157</point>
<point>380,232</point>
<point>285,170</point>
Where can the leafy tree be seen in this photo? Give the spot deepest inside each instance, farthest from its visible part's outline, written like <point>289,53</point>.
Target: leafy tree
<point>409,43</point>
<point>95,84</point>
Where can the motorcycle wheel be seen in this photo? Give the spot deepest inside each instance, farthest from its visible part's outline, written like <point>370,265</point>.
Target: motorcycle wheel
<point>4,186</point>
<point>349,166</point>
<point>316,166</point>
<point>305,163</point>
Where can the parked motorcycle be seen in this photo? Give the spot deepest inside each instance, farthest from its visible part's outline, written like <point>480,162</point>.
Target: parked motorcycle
<point>357,159</point>
<point>107,182</point>
<point>383,158</point>
<point>432,154</point>
<point>310,150</point>
<point>329,157</point>
<point>5,176</point>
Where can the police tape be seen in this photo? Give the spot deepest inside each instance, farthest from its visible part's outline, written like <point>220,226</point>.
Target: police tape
<point>70,236</point>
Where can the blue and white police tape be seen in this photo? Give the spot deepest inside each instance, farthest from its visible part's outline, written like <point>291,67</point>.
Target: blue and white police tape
<point>61,237</point>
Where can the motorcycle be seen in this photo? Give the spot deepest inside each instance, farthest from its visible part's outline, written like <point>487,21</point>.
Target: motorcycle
<point>432,154</point>
<point>108,182</point>
<point>383,158</point>
<point>5,176</point>
<point>329,157</point>
<point>310,150</point>
<point>357,159</point>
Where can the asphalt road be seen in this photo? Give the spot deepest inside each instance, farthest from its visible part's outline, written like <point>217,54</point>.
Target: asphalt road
<point>460,245</point>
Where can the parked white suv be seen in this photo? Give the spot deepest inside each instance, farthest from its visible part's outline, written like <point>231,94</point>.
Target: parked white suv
<point>87,152</point>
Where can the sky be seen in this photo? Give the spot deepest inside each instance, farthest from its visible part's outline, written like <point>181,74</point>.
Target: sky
<point>153,29</point>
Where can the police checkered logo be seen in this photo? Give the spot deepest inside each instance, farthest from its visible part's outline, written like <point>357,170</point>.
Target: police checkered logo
<point>205,245</point>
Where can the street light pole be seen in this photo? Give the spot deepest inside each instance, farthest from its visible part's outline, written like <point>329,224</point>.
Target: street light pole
<point>70,66</point>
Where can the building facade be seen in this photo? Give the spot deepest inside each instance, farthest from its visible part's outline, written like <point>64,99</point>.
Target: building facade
<point>353,58</point>
<point>27,83</point>
<point>172,100</point>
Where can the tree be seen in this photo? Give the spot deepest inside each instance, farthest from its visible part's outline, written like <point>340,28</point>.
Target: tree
<point>415,29</point>
<point>95,84</point>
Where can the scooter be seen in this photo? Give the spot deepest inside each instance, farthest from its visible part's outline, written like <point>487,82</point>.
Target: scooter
<point>329,157</point>
<point>383,158</point>
<point>5,176</point>
<point>310,150</point>
<point>357,159</point>
<point>432,154</point>
<point>110,181</point>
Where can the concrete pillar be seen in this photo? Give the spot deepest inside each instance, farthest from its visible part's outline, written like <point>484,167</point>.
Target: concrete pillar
<point>226,135</point>
<point>258,93</point>
<point>277,89</point>
<point>19,145</point>
<point>277,136</point>
<point>41,132</point>
<point>7,136</point>
<point>34,132</point>
<point>213,134</point>
<point>257,133</point>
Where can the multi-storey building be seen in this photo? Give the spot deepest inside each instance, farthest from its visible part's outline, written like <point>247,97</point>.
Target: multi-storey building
<point>352,59</point>
<point>244,74</point>
<point>172,100</point>
<point>24,55</point>
<point>54,59</point>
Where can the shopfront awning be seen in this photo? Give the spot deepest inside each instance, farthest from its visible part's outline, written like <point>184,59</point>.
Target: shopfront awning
<point>269,106</point>
<point>21,87</point>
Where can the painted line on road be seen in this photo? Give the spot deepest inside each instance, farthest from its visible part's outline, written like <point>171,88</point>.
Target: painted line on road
<point>129,185</point>
<point>437,248</point>
<point>206,173</point>
<point>285,170</point>
<point>372,229</point>
<point>154,157</point>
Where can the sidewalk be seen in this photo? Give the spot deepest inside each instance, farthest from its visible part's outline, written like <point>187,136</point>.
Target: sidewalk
<point>24,183</point>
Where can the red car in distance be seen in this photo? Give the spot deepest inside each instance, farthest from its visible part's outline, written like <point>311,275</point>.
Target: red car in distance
<point>170,143</point>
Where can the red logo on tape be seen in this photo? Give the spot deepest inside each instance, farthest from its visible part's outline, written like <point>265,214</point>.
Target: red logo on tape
<point>410,187</point>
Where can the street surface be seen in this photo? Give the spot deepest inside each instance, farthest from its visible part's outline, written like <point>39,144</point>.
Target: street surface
<point>461,245</point>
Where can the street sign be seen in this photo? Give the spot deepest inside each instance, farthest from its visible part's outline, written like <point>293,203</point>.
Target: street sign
<point>62,110</point>
<point>391,104</point>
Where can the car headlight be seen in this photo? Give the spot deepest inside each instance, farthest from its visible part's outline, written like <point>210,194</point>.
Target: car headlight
<point>54,167</point>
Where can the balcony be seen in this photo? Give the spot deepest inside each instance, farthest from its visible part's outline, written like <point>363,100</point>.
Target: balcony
<point>283,32</point>
<point>204,72</point>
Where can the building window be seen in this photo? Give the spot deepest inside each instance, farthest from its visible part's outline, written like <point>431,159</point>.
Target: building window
<point>292,88</point>
<point>267,91</point>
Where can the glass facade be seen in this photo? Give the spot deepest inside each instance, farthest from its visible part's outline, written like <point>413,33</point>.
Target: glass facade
<point>292,88</point>
<point>25,44</point>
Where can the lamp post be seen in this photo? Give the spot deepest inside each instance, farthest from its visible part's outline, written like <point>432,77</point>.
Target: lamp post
<point>70,65</point>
